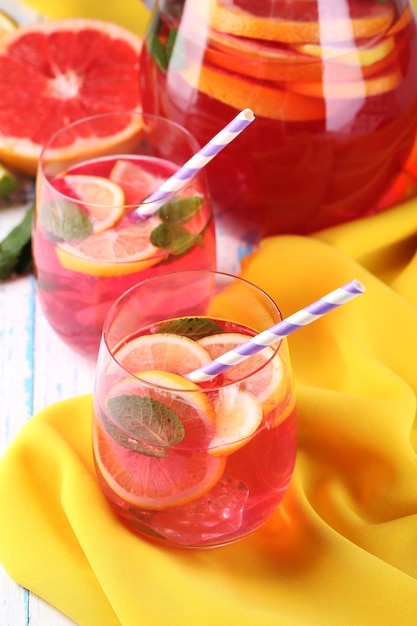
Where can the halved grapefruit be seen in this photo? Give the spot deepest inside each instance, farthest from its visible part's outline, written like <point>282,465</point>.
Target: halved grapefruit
<point>55,72</point>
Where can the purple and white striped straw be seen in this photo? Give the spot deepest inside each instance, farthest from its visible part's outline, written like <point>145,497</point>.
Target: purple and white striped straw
<point>197,162</point>
<point>294,322</point>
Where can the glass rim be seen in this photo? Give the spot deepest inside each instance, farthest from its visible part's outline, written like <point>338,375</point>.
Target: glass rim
<point>125,295</point>
<point>42,164</point>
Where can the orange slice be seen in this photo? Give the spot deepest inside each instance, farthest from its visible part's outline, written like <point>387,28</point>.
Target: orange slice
<point>102,198</point>
<point>186,472</point>
<point>265,99</point>
<point>154,483</point>
<point>372,86</point>
<point>263,69</point>
<point>114,252</point>
<point>162,351</point>
<point>227,16</point>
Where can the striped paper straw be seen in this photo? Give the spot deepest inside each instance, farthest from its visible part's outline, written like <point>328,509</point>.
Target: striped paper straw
<point>197,162</point>
<point>294,322</point>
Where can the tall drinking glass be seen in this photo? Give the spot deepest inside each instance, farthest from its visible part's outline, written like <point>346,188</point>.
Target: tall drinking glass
<point>192,465</point>
<point>93,237</point>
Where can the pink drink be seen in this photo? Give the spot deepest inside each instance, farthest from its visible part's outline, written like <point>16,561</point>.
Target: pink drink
<point>212,487</point>
<point>333,85</point>
<point>76,282</point>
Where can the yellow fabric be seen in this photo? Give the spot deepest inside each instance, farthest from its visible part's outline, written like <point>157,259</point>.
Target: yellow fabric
<point>129,13</point>
<point>342,547</point>
<point>340,550</point>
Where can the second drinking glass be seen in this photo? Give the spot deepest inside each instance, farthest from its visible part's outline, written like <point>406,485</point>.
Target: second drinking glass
<point>92,236</point>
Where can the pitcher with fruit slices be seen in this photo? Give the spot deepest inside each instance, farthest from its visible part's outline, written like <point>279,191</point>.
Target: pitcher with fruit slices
<point>333,85</point>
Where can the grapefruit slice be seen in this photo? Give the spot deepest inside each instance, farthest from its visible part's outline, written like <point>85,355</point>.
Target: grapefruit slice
<point>102,199</point>
<point>251,19</point>
<point>348,90</point>
<point>114,252</point>
<point>266,100</point>
<point>136,183</point>
<point>162,351</point>
<point>186,471</point>
<point>155,483</point>
<point>55,72</point>
<point>262,374</point>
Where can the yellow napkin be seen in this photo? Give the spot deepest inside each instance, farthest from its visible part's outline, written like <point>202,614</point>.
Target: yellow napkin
<point>342,547</point>
<point>129,13</point>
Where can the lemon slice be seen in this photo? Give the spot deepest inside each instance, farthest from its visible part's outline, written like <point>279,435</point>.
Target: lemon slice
<point>238,416</point>
<point>103,199</point>
<point>113,252</point>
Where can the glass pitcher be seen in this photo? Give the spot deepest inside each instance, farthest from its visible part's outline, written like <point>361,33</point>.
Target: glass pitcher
<point>332,83</point>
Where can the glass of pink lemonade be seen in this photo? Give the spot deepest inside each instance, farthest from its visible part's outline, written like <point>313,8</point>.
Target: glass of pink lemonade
<point>92,238</point>
<point>192,465</point>
<point>333,86</point>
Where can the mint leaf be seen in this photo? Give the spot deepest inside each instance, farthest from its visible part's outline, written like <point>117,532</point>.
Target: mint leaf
<point>174,237</point>
<point>8,182</point>
<point>193,327</point>
<point>143,424</point>
<point>15,249</point>
<point>65,220</point>
<point>181,209</point>
<point>176,51</point>
<point>157,50</point>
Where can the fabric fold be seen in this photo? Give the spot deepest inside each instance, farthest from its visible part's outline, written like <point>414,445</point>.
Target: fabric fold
<point>340,548</point>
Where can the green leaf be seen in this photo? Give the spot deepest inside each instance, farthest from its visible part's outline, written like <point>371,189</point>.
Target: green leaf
<point>15,249</point>
<point>8,182</point>
<point>175,238</point>
<point>181,209</point>
<point>193,327</point>
<point>143,424</point>
<point>157,50</point>
<point>176,51</point>
<point>65,220</point>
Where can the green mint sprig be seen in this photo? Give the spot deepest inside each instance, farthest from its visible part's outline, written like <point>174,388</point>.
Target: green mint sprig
<point>15,249</point>
<point>193,327</point>
<point>171,234</point>
<point>65,220</point>
<point>169,52</point>
<point>142,424</point>
<point>8,181</point>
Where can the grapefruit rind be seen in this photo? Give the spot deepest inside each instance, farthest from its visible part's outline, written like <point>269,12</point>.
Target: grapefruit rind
<point>225,16</point>
<point>199,472</point>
